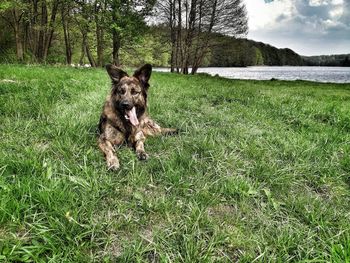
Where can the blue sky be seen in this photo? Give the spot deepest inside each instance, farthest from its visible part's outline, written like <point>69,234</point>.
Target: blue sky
<point>309,27</point>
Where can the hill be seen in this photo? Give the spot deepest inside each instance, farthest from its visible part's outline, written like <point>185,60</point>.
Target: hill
<point>227,51</point>
<point>232,52</point>
<point>330,60</point>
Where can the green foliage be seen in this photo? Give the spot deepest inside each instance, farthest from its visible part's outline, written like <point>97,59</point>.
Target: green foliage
<point>331,60</point>
<point>151,48</point>
<point>259,57</point>
<point>232,52</point>
<point>259,171</point>
<point>7,52</point>
<point>10,4</point>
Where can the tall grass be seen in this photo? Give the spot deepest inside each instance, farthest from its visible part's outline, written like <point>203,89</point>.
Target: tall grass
<point>259,172</point>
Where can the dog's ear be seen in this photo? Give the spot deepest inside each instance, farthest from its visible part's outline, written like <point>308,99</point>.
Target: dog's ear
<point>143,74</point>
<point>116,74</point>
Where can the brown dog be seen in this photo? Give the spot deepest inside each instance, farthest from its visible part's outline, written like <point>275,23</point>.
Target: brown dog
<point>124,116</point>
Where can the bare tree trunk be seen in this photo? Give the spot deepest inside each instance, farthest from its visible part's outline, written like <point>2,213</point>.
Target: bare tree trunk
<point>116,47</point>
<point>179,38</point>
<point>199,42</point>
<point>49,36</point>
<point>32,27</point>
<point>100,48</point>
<point>196,21</point>
<point>17,31</point>
<point>85,49</point>
<point>99,34</point>
<point>84,29</point>
<point>190,35</point>
<point>14,21</point>
<point>205,41</point>
<point>89,55</point>
<point>184,46</point>
<point>42,32</point>
<point>116,37</point>
<point>172,18</point>
<point>82,54</point>
<point>64,14</point>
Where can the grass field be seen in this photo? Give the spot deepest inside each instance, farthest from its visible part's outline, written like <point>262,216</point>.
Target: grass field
<point>259,172</point>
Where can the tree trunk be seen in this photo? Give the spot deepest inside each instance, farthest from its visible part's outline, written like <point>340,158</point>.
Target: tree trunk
<point>172,17</point>
<point>116,48</point>
<point>35,35</point>
<point>179,38</point>
<point>17,31</point>
<point>205,41</point>
<point>67,42</point>
<point>100,48</point>
<point>42,32</point>
<point>51,30</point>
<point>100,44</point>
<point>99,21</point>
<point>89,55</point>
<point>82,54</point>
<point>190,26</point>
<point>85,49</point>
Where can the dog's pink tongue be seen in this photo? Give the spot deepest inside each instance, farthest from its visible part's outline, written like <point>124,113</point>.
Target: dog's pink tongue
<point>132,116</point>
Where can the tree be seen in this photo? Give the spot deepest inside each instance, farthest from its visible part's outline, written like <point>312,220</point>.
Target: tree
<point>196,21</point>
<point>12,12</point>
<point>127,22</point>
<point>100,11</point>
<point>166,12</point>
<point>66,6</point>
<point>346,62</point>
<point>84,18</point>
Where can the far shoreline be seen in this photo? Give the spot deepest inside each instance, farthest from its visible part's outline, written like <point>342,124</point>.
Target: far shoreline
<point>289,73</point>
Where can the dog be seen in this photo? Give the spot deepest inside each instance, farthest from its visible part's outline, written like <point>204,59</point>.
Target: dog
<point>124,117</point>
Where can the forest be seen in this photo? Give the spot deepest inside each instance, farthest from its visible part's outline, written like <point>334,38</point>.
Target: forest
<point>330,60</point>
<point>181,34</point>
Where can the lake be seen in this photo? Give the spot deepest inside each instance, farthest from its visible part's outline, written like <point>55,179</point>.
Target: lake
<point>320,74</point>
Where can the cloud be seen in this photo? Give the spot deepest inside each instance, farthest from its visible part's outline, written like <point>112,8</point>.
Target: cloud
<point>307,26</point>
<point>262,14</point>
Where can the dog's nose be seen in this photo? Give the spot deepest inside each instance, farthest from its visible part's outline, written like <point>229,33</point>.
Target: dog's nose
<point>125,105</point>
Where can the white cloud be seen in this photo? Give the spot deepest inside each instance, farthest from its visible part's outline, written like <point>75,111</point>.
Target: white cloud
<point>263,14</point>
<point>307,26</point>
<point>318,2</point>
<point>337,11</point>
<point>325,2</point>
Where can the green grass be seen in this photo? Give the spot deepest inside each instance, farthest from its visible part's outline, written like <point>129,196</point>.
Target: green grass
<point>259,172</point>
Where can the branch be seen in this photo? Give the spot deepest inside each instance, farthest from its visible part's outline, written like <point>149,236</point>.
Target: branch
<point>8,21</point>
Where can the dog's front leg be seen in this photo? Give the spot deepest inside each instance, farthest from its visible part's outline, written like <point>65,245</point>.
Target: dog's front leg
<point>109,138</point>
<point>138,140</point>
<point>108,150</point>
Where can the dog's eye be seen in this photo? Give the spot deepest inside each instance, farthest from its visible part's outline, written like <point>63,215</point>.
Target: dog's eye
<point>135,93</point>
<point>121,91</point>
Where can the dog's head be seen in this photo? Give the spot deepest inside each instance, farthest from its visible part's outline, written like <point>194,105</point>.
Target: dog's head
<point>129,94</point>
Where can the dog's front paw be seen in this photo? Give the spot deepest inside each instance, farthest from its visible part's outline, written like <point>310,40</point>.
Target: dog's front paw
<point>113,163</point>
<point>142,156</point>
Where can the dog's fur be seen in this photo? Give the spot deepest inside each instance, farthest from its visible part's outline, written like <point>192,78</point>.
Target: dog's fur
<point>126,102</point>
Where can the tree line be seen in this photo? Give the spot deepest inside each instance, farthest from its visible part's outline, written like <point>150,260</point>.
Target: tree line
<point>232,52</point>
<point>180,34</point>
<point>35,25</point>
<point>330,60</point>
<point>102,31</point>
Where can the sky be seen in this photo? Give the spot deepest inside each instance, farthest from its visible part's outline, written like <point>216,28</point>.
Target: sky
<point>309,27</point>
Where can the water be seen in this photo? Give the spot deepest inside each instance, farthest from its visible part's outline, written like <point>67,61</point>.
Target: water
<point>319,74</point>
